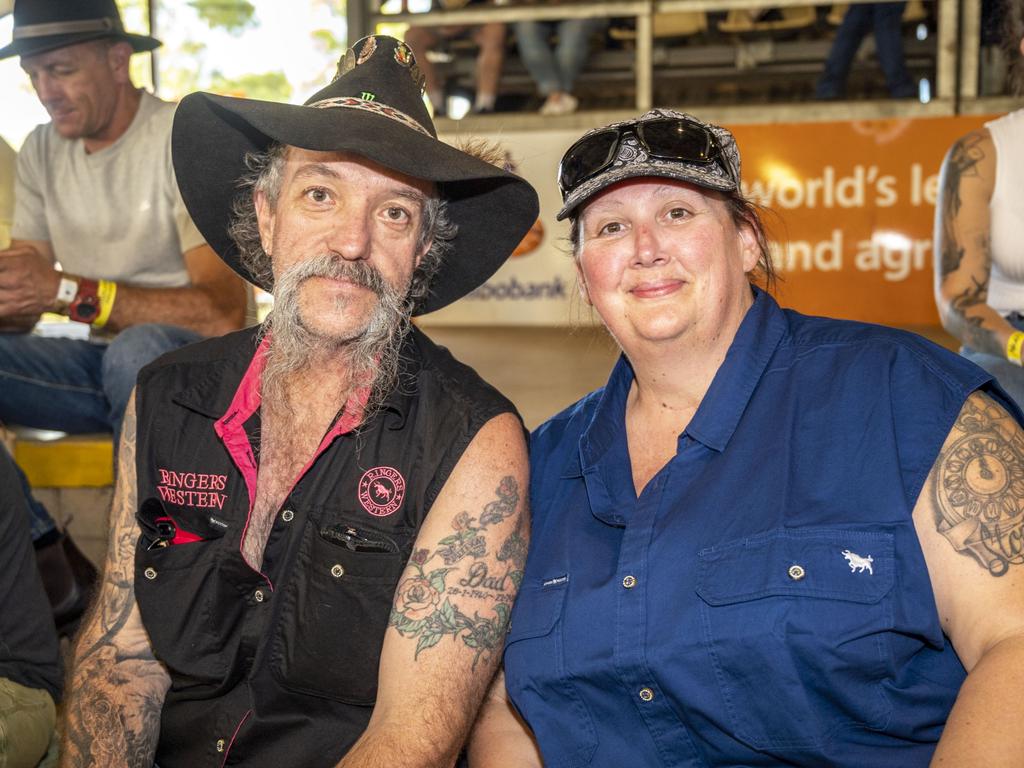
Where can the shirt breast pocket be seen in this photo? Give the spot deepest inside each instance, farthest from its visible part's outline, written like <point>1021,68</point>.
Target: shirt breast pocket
<point>536,678</point>
<point>795,623</point>
<point>174,588</point>
<point>335,608</point>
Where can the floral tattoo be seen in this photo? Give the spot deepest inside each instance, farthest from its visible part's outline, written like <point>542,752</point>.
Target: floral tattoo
<point>423,606</point>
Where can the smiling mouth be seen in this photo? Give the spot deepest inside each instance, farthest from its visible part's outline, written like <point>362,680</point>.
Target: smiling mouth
<point>657,289</point>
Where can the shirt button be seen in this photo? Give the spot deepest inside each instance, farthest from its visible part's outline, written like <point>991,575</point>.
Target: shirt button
<point>796,572</point>
<point>646,694</point>
<point>150,573</point>
<point>337,571</point>
<point>287,515</point>
<point>220,745</point>
<point>629,582</point>
<point>258,595</point>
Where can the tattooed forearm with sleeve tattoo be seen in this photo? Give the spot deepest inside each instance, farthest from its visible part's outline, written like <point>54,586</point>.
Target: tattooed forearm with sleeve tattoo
<point>451,607</point>
<point>978,487</point>
<point>963,256</point>
<point>116,687</point>
<point>466,566</point>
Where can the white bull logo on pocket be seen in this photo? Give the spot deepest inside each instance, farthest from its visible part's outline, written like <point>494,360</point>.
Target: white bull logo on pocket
<point>857,563</point>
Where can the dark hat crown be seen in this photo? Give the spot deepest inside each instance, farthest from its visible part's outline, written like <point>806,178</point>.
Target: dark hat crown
<point>46,25</point>
<point>380,71</point>
<point>28,12</point>
<point>373,109</point>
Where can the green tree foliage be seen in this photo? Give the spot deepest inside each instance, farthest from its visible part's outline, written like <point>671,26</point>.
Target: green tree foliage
<point>235,16</point>
<point>269,86</point>
<point>327,42</point>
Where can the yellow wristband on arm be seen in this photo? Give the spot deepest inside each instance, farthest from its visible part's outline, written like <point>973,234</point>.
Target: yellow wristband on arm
<point>107,292</point>
<point>1014,346</point>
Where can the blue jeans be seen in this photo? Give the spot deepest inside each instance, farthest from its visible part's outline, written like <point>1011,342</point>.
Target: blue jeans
<point>555,70</point>
<point>76,386</point>
<point>1009,376</point>
<point>886,19</point>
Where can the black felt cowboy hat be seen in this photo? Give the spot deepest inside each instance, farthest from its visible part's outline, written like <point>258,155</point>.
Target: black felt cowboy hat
<point>45,25</point>
<point>374,109</point>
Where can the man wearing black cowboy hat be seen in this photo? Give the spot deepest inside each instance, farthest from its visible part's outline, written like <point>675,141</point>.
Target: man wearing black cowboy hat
<point>319,526</point>
<point>95,192</point>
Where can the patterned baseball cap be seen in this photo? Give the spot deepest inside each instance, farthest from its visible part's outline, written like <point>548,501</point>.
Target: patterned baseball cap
<point>632,161</point>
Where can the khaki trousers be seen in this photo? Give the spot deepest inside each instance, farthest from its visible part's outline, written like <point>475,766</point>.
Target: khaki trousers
<point>27,717</point>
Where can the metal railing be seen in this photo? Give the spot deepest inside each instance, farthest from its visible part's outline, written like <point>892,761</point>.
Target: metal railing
<point>956,60</point>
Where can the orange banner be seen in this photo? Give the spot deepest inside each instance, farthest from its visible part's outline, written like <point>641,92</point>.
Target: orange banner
<point>853,206</point>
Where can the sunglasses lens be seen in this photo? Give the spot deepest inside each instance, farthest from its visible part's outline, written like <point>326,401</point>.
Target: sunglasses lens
<point>585,158</point>
<point>676,140</point>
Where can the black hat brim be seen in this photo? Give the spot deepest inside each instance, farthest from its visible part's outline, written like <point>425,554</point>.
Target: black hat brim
<point>492,208</point>
<point>31,46</point>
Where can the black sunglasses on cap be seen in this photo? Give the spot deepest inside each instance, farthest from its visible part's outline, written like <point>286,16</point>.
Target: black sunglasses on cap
<point>668,138</point>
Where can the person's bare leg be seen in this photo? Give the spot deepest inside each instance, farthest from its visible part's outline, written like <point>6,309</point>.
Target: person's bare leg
<point>421,40</point>
<point>491,39</point>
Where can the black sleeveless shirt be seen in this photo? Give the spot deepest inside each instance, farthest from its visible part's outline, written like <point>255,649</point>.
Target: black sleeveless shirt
<point>279,667</point>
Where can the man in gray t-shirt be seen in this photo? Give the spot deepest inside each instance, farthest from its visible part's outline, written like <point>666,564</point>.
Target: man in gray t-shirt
<point>100,235</point>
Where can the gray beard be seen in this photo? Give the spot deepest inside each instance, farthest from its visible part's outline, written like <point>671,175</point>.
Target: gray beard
<point>371,354</point>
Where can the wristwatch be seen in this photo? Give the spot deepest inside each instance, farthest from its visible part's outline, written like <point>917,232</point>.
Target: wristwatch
<point>86,304</point>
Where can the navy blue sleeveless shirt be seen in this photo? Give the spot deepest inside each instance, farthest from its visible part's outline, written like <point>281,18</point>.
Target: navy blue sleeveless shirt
<point>765,600</point>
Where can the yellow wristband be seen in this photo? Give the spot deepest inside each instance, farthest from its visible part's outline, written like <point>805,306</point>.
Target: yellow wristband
<point>1014,346</point>
<point>107,292</point>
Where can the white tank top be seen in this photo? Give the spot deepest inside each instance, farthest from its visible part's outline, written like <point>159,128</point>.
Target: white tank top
<point>1006,212</point>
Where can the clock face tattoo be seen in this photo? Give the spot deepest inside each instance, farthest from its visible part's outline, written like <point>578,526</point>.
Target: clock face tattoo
<point>979,492</point>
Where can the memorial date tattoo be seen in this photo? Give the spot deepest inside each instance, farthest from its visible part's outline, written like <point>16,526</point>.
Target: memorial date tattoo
<point>424,607</point>
<point>979,486</point>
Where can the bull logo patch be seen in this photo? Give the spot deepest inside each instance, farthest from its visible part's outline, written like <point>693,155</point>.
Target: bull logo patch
<point>857,563</point>
<point>381,491</point>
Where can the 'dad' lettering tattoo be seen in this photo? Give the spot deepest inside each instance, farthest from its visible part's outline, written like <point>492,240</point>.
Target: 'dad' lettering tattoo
<point>424,608</point>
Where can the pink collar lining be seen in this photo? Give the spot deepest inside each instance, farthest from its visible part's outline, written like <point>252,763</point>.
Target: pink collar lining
<point>231,426</point>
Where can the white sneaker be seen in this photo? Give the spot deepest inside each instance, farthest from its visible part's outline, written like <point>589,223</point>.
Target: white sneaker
<point>559,104</point>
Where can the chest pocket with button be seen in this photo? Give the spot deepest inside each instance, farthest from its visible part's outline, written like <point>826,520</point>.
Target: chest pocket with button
<point>536,678</point>
<point>176,588</point>
<point>795,623</point>
<point>335,606</point>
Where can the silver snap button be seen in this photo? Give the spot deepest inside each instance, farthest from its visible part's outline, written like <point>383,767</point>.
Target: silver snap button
<point>287,515</point>
<point>796,572</point>
<point>220,745</point>
<point>646,694</point>
<point>150,573</point>
<point>337,571</point>
<point>258,595</point>
<point>629,582</point>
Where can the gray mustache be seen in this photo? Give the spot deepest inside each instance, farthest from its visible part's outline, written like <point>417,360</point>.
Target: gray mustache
<point>334,267</point>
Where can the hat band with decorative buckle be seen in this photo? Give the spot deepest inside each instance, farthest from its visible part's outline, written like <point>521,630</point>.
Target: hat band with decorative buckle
<point>350,102</point>
<point>69,28</point>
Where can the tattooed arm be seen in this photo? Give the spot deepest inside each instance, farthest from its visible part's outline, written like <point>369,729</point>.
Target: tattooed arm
<point>451,608</point>
<point>963,258</point>
<point>117,687</point>
<point>970,521</point>
<point>500,738</point>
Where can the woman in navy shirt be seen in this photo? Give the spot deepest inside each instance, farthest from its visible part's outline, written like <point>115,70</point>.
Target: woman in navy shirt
<point>770,539</point>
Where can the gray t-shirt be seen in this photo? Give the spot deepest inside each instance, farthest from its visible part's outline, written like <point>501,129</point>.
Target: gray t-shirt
<point>114,214</point>
<point>7,160</point>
